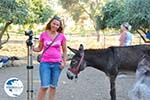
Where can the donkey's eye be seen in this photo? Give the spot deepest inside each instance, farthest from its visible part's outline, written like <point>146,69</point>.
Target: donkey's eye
<point>74,62</point>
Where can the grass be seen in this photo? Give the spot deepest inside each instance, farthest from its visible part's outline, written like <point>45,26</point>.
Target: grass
<point>17,43</point>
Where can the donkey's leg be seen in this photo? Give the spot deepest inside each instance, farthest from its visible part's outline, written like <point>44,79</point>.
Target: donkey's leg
<point>112,88</point>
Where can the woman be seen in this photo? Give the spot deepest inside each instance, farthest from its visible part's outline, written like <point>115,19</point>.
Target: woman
<point>52,61</point>
<point>125,35</point>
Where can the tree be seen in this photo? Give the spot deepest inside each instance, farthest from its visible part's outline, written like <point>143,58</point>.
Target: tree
<point>136,12</point>
<point>11,11</point>
<point>77,8</point>
<point>111,15</point>
<point>23,12</point>
<point>38,11</point>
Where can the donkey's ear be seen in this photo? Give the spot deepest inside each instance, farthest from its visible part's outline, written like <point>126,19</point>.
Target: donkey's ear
<point>73,50</point>
<point>81,48</point>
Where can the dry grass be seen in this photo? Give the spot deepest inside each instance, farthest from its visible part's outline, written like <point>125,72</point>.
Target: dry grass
<point>17,43</point>
<point>15,47</point>
<point>91,41</point>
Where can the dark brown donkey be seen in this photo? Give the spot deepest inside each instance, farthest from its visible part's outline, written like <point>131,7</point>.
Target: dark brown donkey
<point>110,60</point>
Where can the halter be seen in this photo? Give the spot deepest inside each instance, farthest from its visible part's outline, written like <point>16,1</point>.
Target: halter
<point>75,70</point>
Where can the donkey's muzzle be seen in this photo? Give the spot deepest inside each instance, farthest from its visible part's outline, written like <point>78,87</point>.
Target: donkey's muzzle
<point>70,75</point>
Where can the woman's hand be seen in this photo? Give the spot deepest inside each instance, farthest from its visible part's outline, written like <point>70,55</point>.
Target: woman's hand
<point>38,48</point>
<point>62,66</point>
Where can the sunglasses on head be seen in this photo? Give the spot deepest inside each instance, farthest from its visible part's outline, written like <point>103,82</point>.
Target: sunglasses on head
<point>56,17</point>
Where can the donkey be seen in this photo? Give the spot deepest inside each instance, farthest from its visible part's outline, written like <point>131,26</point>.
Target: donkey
<point>110,61</point>
<point>141,89</point>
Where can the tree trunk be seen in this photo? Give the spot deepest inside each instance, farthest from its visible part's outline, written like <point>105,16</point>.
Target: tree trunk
<point>92,18</point>
<point>2,33</point>
<point>98,36</point>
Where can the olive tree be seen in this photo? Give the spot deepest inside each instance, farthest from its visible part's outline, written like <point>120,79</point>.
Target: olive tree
<point>115,12</point>
<point>11,11</point>
<point>77,8</point>
<point>22,12</point>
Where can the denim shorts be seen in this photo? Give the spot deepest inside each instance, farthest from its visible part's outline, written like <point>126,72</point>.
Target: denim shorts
<point>49,74</point>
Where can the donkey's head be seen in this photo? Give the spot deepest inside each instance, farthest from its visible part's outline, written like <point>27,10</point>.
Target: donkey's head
<point>77,63</point>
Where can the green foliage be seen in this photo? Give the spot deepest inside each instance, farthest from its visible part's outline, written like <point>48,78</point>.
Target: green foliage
<point>72,6</point>
<point>25,12</point>
<point>38,11</point>
<point>68,4</point>
<point>100,23</point>
<point>13,10</point>
<point>78,8</point>
<point>110,16</point>
<point>136,12</point>
<point>22,12</point>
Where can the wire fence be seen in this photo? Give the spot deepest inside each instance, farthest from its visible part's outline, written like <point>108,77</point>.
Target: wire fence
<point>105,41</point>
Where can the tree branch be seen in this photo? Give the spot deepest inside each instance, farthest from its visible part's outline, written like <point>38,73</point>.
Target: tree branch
<point>85,11</point>
<point>144,31</point>
<point>8,37</point>
<point>142,37</point>
<point>3,31</point>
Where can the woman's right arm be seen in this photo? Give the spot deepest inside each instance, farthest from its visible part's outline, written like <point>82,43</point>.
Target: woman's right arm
<point>122,39</point>
<point>38,48</point>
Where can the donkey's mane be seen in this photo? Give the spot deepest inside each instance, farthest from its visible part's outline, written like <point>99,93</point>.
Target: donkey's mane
<point>100,50</point>
<point>96,51</point>
<point>106,50</point>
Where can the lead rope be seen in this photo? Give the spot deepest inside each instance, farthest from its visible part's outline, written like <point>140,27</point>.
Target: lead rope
<point>76,77</point>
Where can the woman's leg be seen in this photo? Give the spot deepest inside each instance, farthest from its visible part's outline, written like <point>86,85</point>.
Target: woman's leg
<point>45,78</point>
<point>52,92</point>
<point>55,73</point>
<point>42,93</point>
